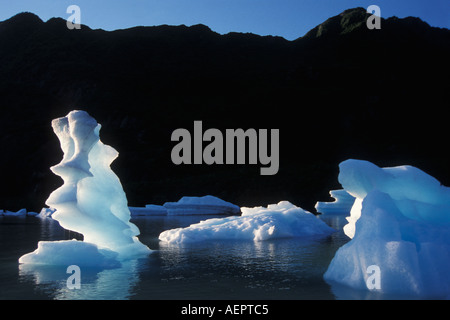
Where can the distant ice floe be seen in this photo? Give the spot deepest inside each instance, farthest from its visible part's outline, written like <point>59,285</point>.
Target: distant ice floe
<point>201,205</point>
<point>44,213</point>
<point>282,220</point>
<point>399,223</point>
<point>207,205</point>
<point>20,213</point>
<point>148,210</point>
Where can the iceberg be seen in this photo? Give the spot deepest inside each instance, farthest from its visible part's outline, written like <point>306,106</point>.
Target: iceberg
<point>46,213</point>
<point>20,213</point>
<point>206,205</point>
<point>72,252</point>
<point>282,220</point>
<point>201,206</point>
<point>400,223</point>
<point>148,210</point>
<point>342,204</point>
<point>91,201</point>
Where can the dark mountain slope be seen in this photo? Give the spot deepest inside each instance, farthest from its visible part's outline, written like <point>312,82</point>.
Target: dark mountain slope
<point>341,91</point>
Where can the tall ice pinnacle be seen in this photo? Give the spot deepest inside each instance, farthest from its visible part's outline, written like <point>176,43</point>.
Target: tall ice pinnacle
<point>92,201</point>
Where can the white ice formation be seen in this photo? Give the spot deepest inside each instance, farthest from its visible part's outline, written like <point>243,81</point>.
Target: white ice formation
<point>400,222</point>
<point>71,252</point>
<point>282,220</point>
<point>342,204</point>
<point>91,201</point>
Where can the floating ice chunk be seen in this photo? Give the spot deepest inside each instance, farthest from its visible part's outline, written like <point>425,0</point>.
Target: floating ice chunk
<point>148,210</point>
<point>280,220</point>
<point>207,205</point>
<point>400,222</point>
<point>71,252</point>
<point>91,201</point>
<point>201,205</point>
<point>342,204</point>
<point>46,212</point>
<point>156,209</point>
<point>20,213</point>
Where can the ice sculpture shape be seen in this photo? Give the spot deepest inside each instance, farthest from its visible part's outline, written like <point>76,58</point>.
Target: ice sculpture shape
<point>282,220</point>
<point>400,222</point>
<point>91,201</point>
<point>418,195</point>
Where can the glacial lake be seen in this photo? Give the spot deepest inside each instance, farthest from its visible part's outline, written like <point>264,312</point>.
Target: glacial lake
<point>282,269</point>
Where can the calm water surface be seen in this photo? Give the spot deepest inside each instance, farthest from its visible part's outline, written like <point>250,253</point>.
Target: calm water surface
<point>275,269</point>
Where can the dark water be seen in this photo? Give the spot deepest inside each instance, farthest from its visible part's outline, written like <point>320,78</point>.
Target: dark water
<point>276,269</point>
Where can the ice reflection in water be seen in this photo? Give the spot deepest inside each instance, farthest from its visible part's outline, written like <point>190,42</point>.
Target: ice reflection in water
<point>283,268</point>
<point>96,283</point>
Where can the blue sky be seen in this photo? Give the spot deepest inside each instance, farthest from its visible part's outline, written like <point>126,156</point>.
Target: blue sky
<point>287,18</point>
